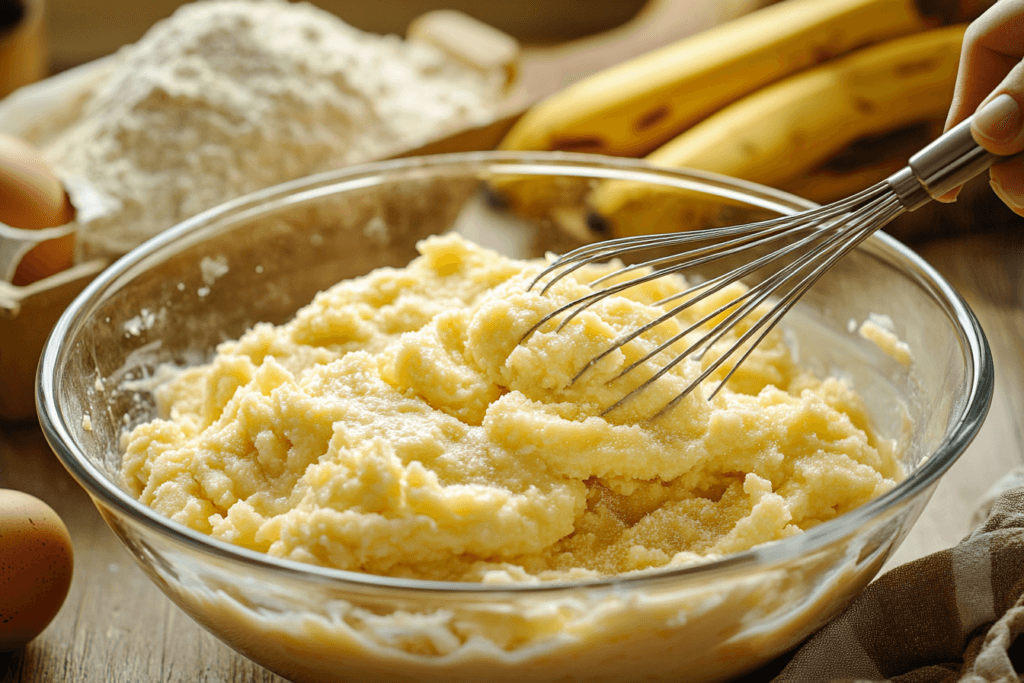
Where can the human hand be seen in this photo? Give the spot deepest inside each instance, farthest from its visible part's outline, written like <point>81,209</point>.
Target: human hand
<point>990,84</point>
<point>32,197</point>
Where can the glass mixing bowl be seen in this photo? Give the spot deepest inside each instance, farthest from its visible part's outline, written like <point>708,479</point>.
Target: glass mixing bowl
<point>263,256</point>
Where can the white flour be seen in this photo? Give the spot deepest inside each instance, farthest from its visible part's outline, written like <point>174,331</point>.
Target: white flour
<point>231,96</point>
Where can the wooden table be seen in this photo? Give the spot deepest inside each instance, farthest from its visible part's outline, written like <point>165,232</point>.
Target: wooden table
<point>117,626</point>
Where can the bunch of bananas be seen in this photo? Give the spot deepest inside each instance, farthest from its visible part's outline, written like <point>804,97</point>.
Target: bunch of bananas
<point>816,97</point>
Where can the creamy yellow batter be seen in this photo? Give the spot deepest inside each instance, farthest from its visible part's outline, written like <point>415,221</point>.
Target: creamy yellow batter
<point>397,426</point>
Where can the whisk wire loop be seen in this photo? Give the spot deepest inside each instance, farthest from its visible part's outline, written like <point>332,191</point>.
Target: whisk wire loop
<point>836,248</point>
<point>820,236</point>
<point>606,249</point>
<point>746,237</point>
<point>701,291</point>
<point>770,320</point>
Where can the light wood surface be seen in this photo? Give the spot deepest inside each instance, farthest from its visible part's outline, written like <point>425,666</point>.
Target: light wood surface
<point>117,626</point>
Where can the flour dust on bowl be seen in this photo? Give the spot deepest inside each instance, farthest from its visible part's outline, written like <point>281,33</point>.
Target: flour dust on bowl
<point>262,258</point>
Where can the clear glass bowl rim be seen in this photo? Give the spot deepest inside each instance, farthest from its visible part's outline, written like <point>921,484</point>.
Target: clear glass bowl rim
<point>980,373</point>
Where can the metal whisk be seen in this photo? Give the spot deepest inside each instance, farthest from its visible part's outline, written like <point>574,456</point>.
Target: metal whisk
<point>802,248</point>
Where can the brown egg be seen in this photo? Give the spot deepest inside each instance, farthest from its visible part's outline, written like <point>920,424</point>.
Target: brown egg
<point>35,567</point>
<point>32,197</point>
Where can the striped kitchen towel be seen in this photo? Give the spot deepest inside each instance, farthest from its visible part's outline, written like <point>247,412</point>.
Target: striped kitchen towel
<point>952,616</point>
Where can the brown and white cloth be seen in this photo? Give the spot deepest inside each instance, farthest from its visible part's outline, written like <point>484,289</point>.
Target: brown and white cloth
<point>952,616</point>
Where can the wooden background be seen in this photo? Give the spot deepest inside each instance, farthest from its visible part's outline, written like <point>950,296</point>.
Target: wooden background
<point>117,626</point>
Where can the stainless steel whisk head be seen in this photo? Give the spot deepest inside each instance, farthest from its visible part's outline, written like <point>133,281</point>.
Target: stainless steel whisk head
<point>795,251</point>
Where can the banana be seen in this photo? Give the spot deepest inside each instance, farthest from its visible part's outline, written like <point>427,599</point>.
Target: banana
<point>632,108</point>
<point>785,130</point>
<point>864,163</point>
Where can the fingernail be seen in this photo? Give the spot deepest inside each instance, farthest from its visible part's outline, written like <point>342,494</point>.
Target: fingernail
<point>1000,120</point>
<point>1012,199</point>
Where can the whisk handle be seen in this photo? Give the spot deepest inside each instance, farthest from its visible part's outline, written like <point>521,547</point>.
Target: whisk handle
<point>953,159</point>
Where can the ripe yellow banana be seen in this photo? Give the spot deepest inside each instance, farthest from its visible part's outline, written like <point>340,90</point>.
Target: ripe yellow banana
<point>634,107</point>
<point>780,132</point>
